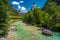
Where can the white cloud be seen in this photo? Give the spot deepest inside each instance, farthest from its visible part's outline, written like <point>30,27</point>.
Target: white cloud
<point>15,3</point>
<point>19,6</point>
<point>23,9</point>
<point>21,1</point>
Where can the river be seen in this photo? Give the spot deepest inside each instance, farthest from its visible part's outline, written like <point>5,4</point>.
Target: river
<point>25,32</point>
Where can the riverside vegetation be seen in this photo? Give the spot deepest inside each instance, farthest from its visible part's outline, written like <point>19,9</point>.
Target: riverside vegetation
<point>48,17</point>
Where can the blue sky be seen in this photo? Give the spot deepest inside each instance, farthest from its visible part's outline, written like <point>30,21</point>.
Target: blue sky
<point>26,4</point>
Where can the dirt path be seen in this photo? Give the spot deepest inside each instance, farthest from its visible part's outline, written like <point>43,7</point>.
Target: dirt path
<point>11,30</point>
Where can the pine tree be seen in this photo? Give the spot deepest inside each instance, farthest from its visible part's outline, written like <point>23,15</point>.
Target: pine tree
<point>3,16</point>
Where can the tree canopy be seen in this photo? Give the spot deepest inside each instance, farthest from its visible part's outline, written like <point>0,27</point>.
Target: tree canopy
<point>48,17</point>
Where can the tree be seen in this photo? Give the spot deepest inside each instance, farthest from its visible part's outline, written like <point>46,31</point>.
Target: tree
<point>3,17</point>
<point>36,17</point>
<point>53,10</point>
<point>48,17</point>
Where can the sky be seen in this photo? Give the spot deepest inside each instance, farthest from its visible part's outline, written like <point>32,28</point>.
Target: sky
<point>26,5</point>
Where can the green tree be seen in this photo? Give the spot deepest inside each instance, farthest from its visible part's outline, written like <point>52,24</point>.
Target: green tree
<point>53,9</point>
<point>36,17</point>
<point>3,17</point>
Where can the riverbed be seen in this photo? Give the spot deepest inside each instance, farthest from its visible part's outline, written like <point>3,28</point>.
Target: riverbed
<point>25,32</point>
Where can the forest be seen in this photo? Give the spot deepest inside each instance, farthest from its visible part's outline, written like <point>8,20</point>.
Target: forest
<point>47,17</point>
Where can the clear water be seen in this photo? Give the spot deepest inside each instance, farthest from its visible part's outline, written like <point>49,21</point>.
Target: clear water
<point>56,36</point>
<point>26,35</point>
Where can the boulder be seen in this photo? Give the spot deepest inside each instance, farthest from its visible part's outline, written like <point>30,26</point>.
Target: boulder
<point>47,32</point>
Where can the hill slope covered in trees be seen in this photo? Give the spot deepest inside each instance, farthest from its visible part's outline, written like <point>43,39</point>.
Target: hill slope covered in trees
<point>6,15</point>
<point>48,17</point>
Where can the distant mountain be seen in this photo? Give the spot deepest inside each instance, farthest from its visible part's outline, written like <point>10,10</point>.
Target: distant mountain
<point>19,12</point>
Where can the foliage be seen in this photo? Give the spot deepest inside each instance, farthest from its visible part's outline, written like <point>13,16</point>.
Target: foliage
<point>6,15</point>
<point>53,9</point>
<point>48,17</point>
<point>3,17</point>
<point>36,17</point>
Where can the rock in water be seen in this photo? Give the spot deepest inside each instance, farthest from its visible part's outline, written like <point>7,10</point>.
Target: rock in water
<point>47,32</point>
